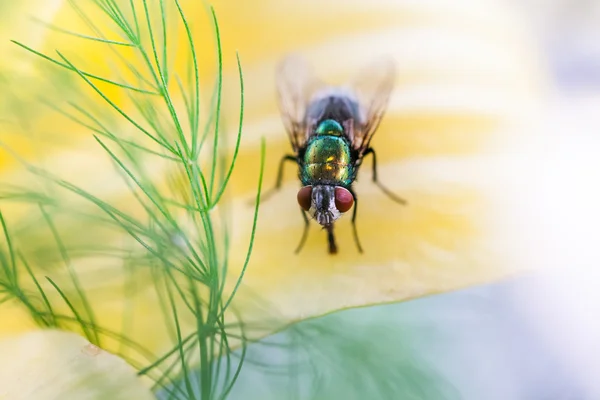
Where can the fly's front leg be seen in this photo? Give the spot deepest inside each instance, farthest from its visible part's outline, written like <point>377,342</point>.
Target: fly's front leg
<point>331,239</point>
<point>383,188</point>
<point>304,232</point>
<point>269,193</point>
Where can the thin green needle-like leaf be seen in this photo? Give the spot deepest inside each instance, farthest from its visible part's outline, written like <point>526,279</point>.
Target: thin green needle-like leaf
<point>253,231</point>
<point>162,82</point>
<point>82,73</point>
<point>218,108</point>
<point>102,130</point>
<point>239,136</point>
<point>51,320</point>
<point>91,337</point>
<point>142,186</point>
<point>129,35</point>
<point>81,36</point>
<point>185,370</point>
<point>163,20</point>
<point>195,110</point>
<point>135,18</point>
<point>165,356</point>
<point>74,278</point>
<point>12,272</point>
<point>115,107</point>
<point>238,370</point>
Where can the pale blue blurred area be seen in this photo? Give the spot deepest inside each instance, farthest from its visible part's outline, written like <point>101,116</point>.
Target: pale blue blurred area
<point>569,31</point>
<point>470,344</point>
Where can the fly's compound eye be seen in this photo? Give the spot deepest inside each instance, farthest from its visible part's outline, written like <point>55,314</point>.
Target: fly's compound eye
<point>343,199</point>
<point>304,197</point>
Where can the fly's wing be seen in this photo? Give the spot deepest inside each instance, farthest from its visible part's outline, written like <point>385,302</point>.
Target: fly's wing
<point>296,84</point>
<point>372,87</point>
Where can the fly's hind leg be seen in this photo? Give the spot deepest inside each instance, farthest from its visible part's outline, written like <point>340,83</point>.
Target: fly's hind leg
<point>354,230</point>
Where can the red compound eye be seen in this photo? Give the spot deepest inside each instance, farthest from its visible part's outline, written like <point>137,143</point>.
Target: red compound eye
<point>343,199</point>
<point>304,197</point>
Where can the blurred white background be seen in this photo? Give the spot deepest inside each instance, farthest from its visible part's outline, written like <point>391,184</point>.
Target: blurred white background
<point>561,309</point>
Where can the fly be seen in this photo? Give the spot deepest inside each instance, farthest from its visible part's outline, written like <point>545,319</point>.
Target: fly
<point>330,129</point>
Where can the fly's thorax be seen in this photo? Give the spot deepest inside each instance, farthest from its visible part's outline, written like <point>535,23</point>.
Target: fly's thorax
<point>327,160</point>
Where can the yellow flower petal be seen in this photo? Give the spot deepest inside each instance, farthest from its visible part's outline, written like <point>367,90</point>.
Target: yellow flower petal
<point>469,85</point>
<point>59,365</point>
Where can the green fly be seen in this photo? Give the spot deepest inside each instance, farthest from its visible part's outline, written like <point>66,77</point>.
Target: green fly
<point>330,129</point>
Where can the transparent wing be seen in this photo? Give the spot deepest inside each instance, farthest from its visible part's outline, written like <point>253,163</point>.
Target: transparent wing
<point>296,83</point>
<point>373,87</point>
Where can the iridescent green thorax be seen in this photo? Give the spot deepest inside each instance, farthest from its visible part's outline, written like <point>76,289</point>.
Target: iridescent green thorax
<point>329,127</point>
<point>327,159</point>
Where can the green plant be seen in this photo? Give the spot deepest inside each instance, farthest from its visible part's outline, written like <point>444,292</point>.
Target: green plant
<point>170,236</point>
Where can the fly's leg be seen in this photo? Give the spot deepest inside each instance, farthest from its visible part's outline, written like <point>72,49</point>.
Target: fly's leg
<point>383,188</point>
<point>354,230</point>
<point>331,239</point>
<point>304,232</point>
<point>269,193</point>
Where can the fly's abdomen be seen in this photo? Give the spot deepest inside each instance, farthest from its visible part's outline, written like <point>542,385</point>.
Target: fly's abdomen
<point>327,162</point>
